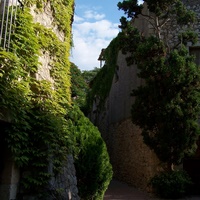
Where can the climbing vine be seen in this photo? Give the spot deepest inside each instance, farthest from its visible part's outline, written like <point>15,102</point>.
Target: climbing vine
<point>101,84</point>
<point>38,132</point>
<point>62,12</point>
<point>41,129</point>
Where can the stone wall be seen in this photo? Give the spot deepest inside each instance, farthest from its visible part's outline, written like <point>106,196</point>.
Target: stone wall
<point>172,30</point>
<point>194,5</point>
<point>46,19</point>
<point>132,161</point>
<point>9,177</point>
<point>65,182</point>
<point>9,172</point>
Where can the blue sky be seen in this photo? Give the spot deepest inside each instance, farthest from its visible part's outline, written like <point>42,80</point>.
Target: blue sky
<point>107,7</point>
<point>95,25</point>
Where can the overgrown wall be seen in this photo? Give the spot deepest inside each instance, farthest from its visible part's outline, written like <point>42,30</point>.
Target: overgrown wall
<point>35,97</point>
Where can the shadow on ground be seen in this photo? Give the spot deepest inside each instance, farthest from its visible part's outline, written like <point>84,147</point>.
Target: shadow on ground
<point>121,191</point>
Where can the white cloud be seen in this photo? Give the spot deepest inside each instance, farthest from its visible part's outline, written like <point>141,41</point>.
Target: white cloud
<point>90,14</point>
<point>98,29</point>
<point>90,37</point>
<point>78,19</point>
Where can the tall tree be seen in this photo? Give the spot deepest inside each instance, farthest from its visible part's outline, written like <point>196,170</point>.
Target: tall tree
<point>79,86</point>
<point>163,15</point>
<point>167,106</point>
<point>89,75</point>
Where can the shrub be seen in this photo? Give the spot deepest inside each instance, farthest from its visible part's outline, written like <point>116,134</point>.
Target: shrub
<point>173,184</point>
<point>93,168</point>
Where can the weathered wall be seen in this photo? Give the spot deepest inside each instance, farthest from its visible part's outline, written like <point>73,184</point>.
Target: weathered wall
<point>46,19</point>
<point>9,173</point>
<point>132,161</point>
<point>65,181</point>
<point>120,99</point>
<point>9,176</point>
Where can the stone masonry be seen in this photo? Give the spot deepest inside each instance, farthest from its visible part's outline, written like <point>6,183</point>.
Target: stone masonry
<point>133,162</point>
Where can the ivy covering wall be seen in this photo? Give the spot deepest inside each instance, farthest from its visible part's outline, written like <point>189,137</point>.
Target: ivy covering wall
<point>42,129</point>
<point>38,130</point>
<point>102,82</point>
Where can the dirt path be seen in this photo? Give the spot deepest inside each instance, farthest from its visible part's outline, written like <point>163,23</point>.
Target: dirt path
<point>121,191</point>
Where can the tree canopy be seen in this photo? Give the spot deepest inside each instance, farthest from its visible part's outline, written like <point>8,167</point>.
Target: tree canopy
<point>163,14</point>
<point>167,106</point>
<point>79,87</point>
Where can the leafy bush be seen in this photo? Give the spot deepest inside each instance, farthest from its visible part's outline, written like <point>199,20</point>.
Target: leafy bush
<point>172,184</point>
<point>93,168</point>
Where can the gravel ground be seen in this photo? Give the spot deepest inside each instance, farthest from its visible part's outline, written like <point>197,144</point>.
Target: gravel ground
<point>121,191</point>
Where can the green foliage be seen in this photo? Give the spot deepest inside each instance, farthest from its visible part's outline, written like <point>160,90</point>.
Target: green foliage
<point>167,106</point>
<point>188,36</point>
<point>89,75</point>
<point>79,87</point>
<point>101,84</point>
<point>131,8</point>
<point>93,168</point>
<point>24,43</point>
<point>163,14</point>
<point>62,12</point>
<point>184,16</point>
<point>161,8</point>
<point>46,142</point>
<point>38,133</point>
<point>60,66</point>
<point>173,184</point>
<point>158,7</point>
